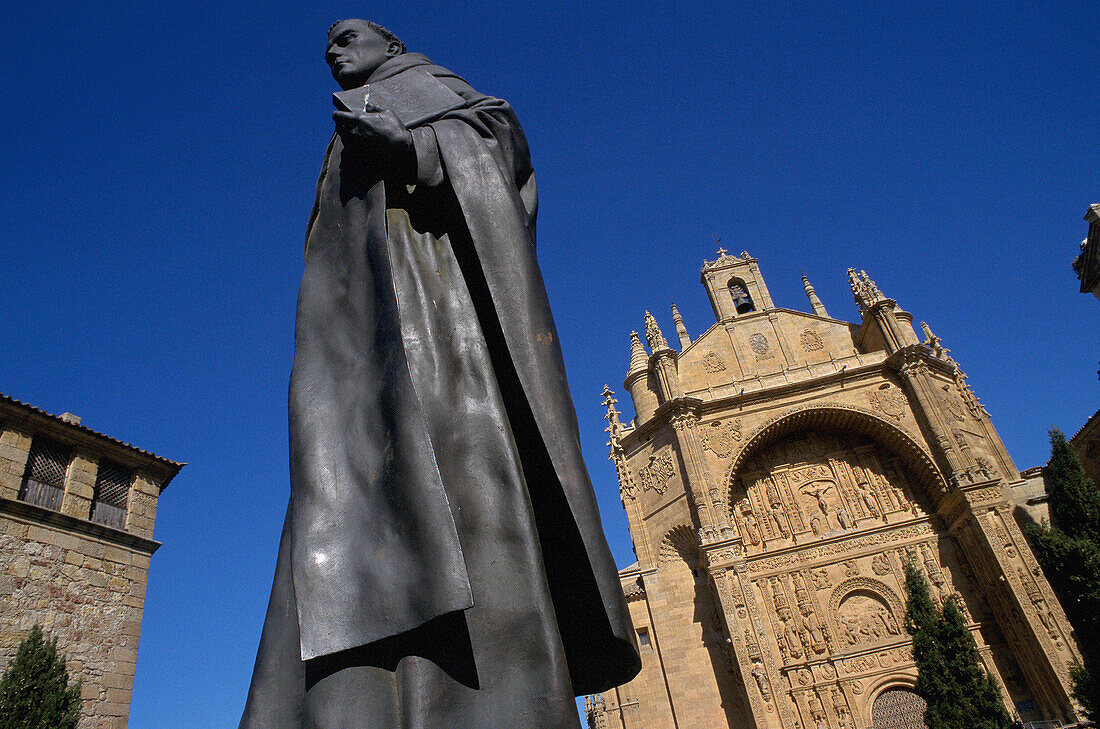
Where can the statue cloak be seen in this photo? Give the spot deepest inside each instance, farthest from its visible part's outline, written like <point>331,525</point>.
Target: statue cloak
<point>369,539</point>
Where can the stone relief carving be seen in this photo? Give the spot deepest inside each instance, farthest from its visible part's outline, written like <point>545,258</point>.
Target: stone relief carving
<point>761,346</point>
<point>713,363</point>
<point>865,618</point>
<point>819,484</point>
<point>820,578</point>
<point>880,565</point>
<point>841,710</point>
<point>811,340</point>
<point>951,404</point>
<point>1046,617</point>
<point>866,611</point>
<point>890,402</point>
<point>746,521</point>
<point>817,710</point>
<point>719,437</point>
<point>656,474</point>
<point>856,542</point>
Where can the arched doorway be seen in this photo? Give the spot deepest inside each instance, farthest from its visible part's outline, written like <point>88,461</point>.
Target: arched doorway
<point>898,708</point>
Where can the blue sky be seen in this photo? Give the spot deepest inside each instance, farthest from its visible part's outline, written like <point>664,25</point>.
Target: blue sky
<point>157,166</point>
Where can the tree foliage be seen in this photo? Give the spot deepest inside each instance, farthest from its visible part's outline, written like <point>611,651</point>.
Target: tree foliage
<point>950,677</point>
<point>1069,551</point>
<point>35,691</point>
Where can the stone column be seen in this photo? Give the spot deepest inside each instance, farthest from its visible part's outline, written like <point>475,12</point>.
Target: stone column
<point>79,487</point>
<point>15,449</point>
<point>915,376</point>
<point>697,474</point>
<point>1017,592</point>
<point>141,506</point>
<point>744,642</point>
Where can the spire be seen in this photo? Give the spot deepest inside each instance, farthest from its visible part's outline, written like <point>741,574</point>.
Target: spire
<point>863,289</point>
<point>617,455</point>
<point>614,427</point>
<point>681,330</point>
<point>653,334</point>
<point>639,360</point>
<point>815,302</point>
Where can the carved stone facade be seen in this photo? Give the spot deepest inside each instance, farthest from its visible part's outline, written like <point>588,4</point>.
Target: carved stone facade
<point>774,500</point>
<point>76,537</point>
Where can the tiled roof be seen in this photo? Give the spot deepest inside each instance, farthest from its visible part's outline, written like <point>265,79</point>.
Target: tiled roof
<point>1087,422</point>
<point>173,466</point>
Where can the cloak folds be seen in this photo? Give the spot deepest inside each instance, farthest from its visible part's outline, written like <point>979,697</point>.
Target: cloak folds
<point>370,548</point>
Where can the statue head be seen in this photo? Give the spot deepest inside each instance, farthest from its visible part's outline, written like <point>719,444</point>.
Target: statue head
<point>356,48</point>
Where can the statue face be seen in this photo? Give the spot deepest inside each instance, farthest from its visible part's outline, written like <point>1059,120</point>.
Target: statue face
<point>354,51</point>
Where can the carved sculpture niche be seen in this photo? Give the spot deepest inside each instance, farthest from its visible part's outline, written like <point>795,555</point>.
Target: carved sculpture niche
<point>819,484</point>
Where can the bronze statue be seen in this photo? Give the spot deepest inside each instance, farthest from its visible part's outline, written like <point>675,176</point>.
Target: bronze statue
<point>442,563</point>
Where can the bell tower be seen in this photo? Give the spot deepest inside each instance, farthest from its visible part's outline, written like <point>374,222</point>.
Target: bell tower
<point>735,286</point>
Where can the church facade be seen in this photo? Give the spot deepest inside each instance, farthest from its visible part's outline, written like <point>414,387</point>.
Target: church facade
<point>779,472</point>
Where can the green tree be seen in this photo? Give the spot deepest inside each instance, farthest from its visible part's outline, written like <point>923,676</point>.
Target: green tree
<point>950,676</point>
<point>1069,551</point>
<point>35,691</point>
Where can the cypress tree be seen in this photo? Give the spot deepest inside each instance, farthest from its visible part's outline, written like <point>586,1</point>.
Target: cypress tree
<point>950,676</point>
<point>982,706</point>
<point>35,691</point>
<point>1069,552</point>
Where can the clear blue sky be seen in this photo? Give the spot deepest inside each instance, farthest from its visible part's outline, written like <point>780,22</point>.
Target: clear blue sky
<point>157,166</point>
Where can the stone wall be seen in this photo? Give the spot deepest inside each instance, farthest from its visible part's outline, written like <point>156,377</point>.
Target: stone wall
<point>81,580</point>
<point>86,592</point>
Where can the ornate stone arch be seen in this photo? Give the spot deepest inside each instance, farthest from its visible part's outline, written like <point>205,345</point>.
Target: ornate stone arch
<point>852,419</point>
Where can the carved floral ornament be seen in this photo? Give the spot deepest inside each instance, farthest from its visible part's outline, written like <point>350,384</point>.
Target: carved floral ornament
<point>836,417</point>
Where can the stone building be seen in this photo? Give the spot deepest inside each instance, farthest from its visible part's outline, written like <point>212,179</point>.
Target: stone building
<point>779,472</point>
<point>1086,444</point>
<point>1087,263</point>
<point>76,535</point>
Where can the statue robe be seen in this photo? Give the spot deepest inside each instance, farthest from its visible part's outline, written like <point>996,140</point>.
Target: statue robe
<point>439,503</point>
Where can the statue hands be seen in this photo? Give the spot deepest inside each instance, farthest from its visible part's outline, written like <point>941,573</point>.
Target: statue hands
<point>377,133</point>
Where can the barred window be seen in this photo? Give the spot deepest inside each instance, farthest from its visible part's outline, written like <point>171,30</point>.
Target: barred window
<point>44,479</point>
<point>112,489</point>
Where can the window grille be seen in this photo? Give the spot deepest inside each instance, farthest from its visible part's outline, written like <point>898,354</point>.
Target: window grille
<point>112,489</point>
<point>44,480</point>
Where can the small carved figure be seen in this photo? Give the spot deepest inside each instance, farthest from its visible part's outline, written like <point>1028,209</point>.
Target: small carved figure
<point>813,627</point>
<point>815,524</point>
<point>887,621</point>
<point>817,710</point>
<point>842,518</point>
<point>820,578</point>
<point>817,491</point>
<point>794,641</point>
<point>868,498</point>
<point>761,681</point>
<point>775,516</point>
<point>880,565</point>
